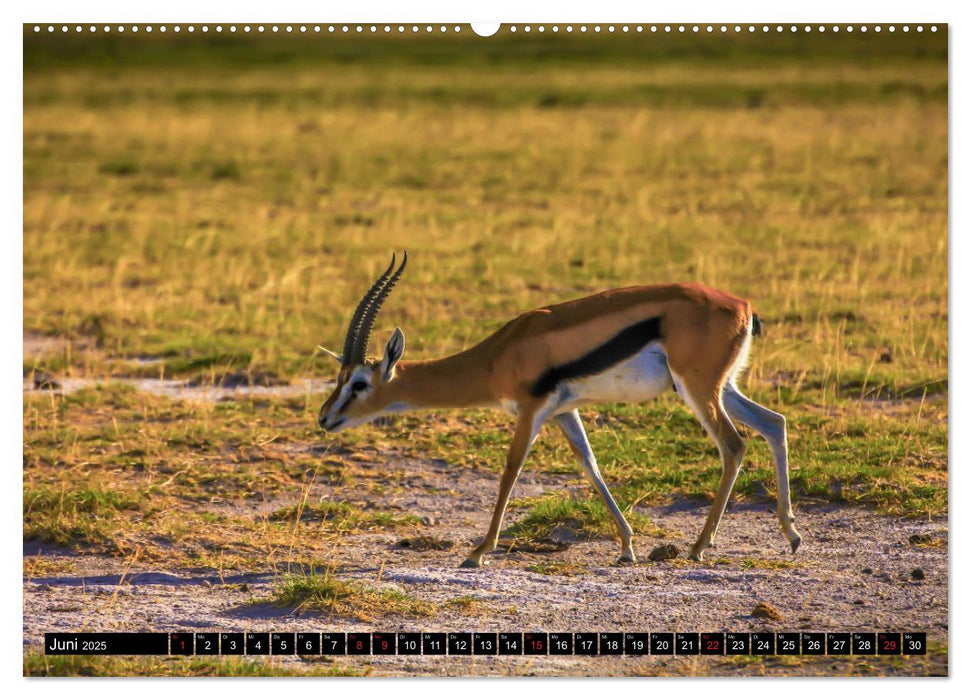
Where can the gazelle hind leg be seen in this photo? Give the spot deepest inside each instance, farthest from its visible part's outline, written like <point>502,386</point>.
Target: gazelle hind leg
<point>771,426</point>
<point>707,407</point>
<point>573,430</point>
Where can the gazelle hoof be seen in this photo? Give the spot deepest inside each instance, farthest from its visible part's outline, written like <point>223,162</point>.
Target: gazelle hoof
<point>470,563</point>
<point>795,544</point>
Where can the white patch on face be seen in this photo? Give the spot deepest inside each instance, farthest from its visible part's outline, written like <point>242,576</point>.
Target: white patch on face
<point>361,374</point>
<point>347,397</point>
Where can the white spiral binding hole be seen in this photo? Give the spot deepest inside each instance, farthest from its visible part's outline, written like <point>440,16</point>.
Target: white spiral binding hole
<point>712,29</point>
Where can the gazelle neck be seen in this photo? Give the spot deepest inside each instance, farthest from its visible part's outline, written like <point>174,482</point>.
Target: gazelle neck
<point>449,382</point>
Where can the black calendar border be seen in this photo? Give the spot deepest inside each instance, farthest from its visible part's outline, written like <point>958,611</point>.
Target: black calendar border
<point>482,643</point>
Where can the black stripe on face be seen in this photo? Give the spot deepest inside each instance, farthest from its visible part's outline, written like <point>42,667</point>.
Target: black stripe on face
<point>625,344</point>
<point>350,397</point>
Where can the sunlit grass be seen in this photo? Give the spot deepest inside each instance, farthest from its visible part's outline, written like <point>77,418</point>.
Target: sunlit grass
<point>584,517</point>
<point>268,217</point>
<point>326,594</point>
<point>217,219</point>
<point>67,515</point>
<point>343,516</point>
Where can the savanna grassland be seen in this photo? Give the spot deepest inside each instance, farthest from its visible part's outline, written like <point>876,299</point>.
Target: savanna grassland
<point>200,208</point>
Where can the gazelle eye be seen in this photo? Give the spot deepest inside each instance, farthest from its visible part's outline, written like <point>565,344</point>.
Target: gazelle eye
<point>359,386</point>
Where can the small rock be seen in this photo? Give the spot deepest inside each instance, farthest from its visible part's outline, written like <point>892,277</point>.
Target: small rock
<point>929,539</point>
<point>866,570</point>
<point>45,381</point>
<point>429,520</point>
<point>541,546</point>
<point>424,544</point>
<point>859,601</point>
<point>767,611</point>
<point>233,380</point>
<point>917,574</point>
<point>563,535</point>
<point>664,552</point>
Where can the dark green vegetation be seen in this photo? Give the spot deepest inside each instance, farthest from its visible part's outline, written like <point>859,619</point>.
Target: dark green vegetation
<point>220,203</point>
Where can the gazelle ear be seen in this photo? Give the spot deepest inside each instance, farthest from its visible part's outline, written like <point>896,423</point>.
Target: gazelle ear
<point>392,353</point>
<point>332,354</point>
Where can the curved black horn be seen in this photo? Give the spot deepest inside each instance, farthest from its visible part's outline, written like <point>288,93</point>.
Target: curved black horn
<point>353,330</point>
<point>371,313</point>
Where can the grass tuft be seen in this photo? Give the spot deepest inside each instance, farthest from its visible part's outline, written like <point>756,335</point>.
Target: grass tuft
<point>583,517</point>
<point>323,593</point>
<point>344,516</point>
<point>76,517</point>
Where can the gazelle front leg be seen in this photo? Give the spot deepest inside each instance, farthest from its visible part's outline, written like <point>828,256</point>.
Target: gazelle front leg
<point>527,425</point>
<point>573,430</point>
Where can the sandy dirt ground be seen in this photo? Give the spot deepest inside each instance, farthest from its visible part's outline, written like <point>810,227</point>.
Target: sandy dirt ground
<point>856,571</point>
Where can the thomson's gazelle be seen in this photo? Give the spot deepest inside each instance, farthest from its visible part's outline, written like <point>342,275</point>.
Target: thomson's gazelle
<point>622,345</point>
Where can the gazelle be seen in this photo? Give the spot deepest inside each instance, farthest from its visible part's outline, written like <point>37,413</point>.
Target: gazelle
<point>622,345</point>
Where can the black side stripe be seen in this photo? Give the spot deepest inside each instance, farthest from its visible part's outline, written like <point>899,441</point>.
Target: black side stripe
<point>625,344</point>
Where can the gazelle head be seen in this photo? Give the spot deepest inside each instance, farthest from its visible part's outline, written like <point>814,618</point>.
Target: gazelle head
<point>359,395</point>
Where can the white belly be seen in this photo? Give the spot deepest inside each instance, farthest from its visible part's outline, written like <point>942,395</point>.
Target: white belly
<point>639,378</point>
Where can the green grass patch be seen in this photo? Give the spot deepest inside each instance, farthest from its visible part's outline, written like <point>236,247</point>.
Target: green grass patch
<point>227,170</point>
<point>586,517</point>
<point>76,517</point>
<point>343,516</point>
<point>324,593</point>
<point>119,167</point>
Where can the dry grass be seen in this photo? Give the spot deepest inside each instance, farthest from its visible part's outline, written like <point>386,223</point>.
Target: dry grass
<point>266,210</point>
<point>221,206</point>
